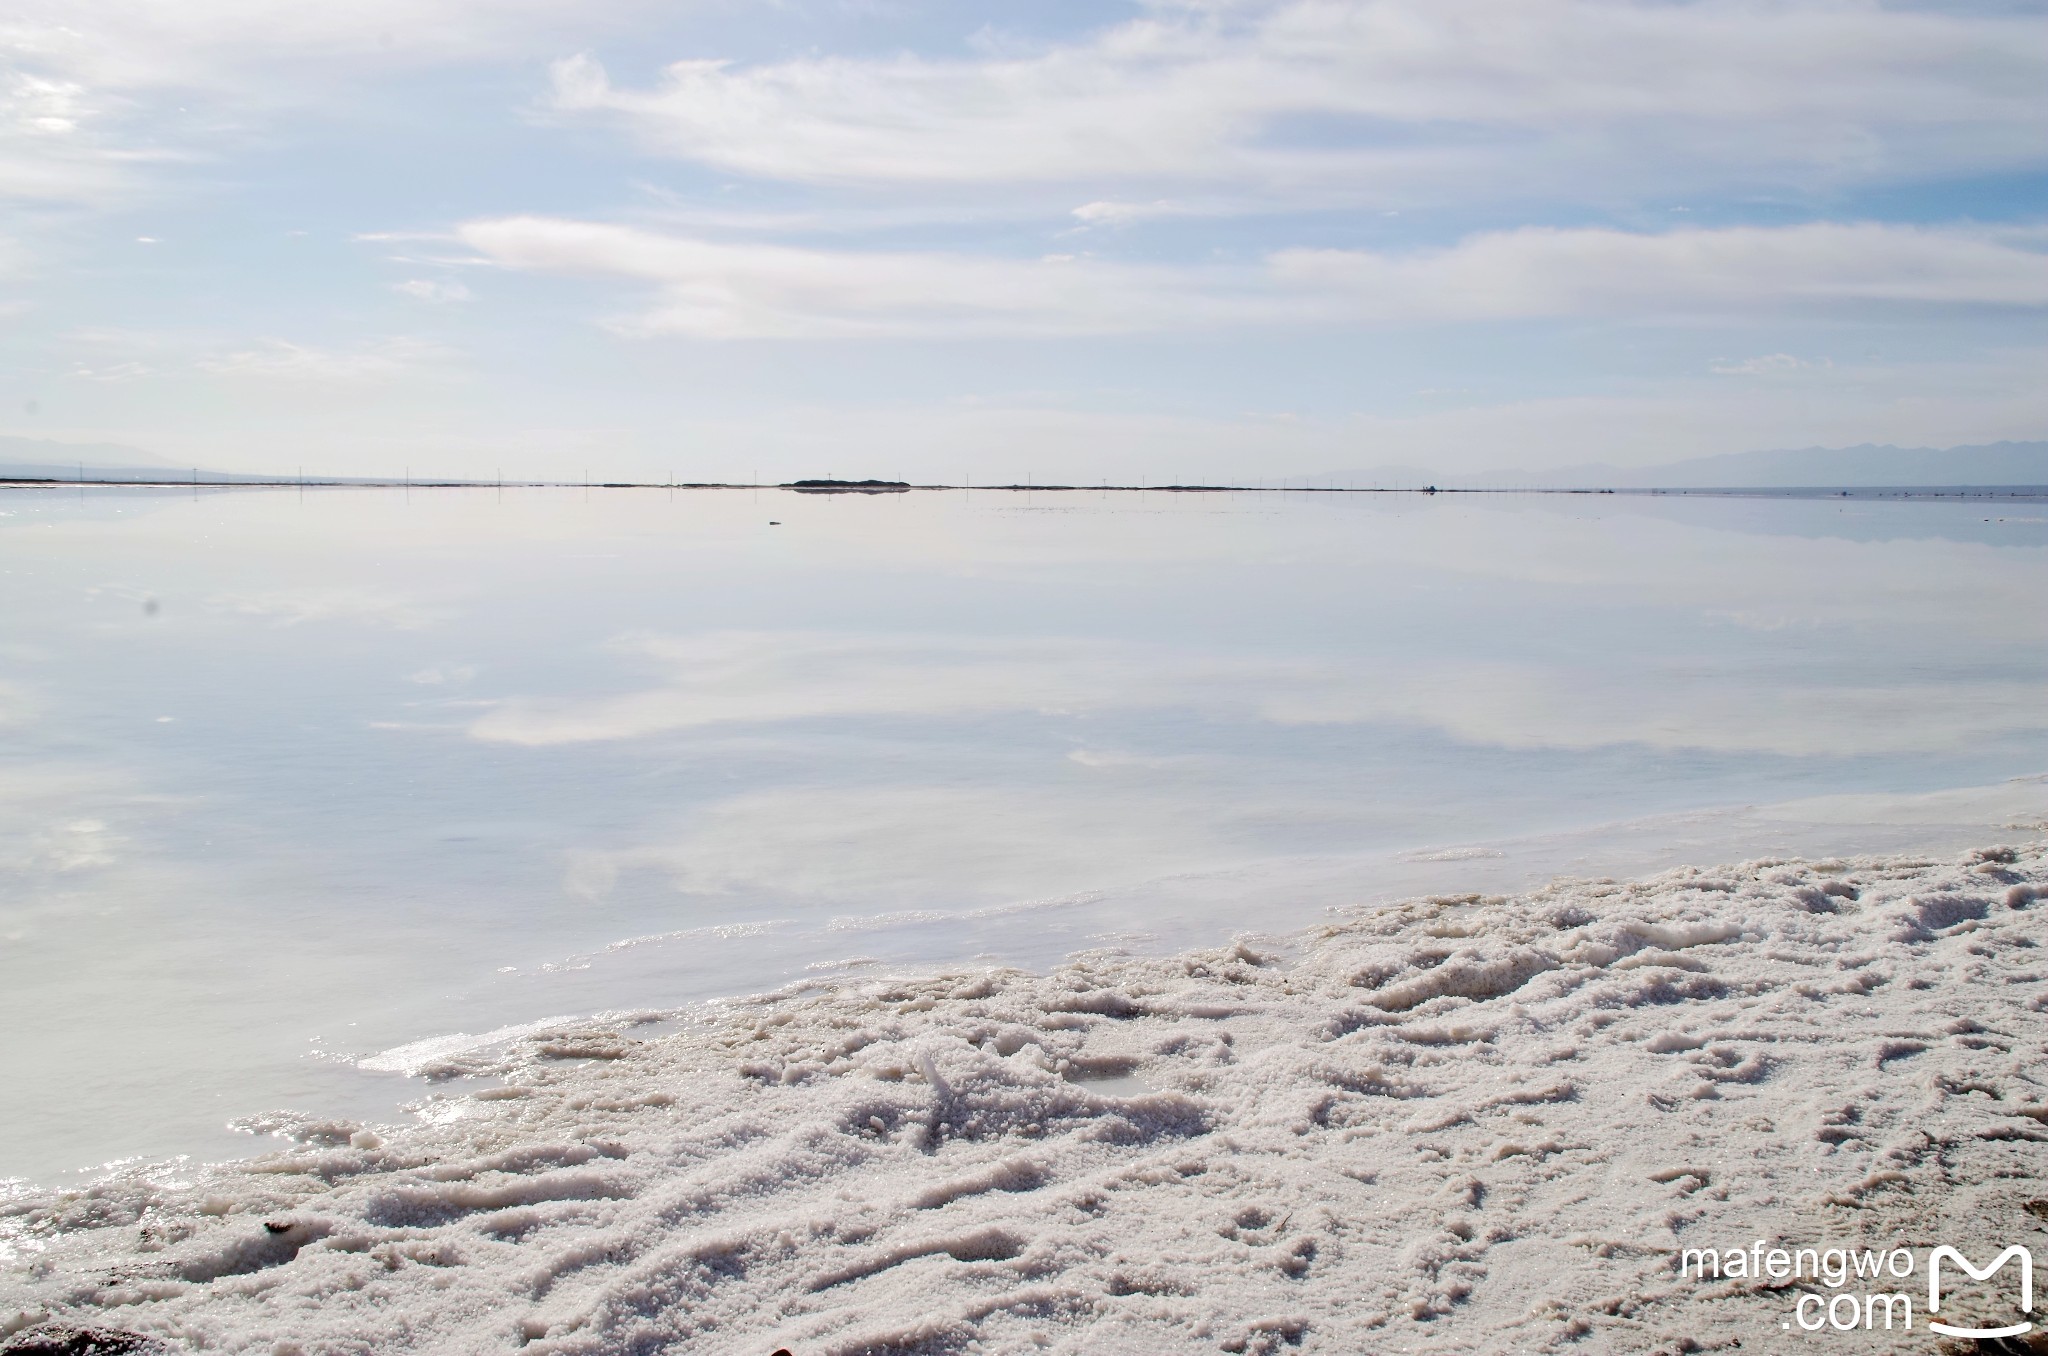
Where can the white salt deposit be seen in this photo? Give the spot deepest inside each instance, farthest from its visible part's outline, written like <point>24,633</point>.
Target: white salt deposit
<point>1469,1123</point>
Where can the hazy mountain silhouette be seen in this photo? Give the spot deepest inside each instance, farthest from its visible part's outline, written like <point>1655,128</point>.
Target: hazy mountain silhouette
<point>1868,465</point>
<point>1823,467</point>
<point>48,459</point>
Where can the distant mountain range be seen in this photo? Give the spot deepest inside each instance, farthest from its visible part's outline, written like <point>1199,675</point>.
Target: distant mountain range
<point>1827,467</point>
<point>47,459</point>
<point>1869,465</point>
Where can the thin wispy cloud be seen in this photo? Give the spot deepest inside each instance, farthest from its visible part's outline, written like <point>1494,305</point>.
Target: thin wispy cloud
<point>711,289</point>
<point>280,360</point>
<point>1768,365</point>
<point>299,607</point>
<point>719,290</point>
<point>432,289</point>
<point>1539,271</point>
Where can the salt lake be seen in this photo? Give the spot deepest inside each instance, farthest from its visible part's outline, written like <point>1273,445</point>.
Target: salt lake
<point>295,786</point>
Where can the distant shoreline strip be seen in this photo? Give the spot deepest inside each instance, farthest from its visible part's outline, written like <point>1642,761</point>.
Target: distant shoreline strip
<point>902,487</point>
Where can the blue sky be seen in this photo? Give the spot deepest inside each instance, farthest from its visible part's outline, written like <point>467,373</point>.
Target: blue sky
<point>1170,240</point>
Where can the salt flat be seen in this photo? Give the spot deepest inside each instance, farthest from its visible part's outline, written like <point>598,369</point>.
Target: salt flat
<point>1464,1123</point>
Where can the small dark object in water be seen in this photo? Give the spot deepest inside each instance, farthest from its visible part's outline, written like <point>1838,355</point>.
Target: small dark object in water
<point>70,1339</point>
<point>774,523</point>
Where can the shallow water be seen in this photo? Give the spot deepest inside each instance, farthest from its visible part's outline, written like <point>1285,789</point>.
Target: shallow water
<point>291,779</point>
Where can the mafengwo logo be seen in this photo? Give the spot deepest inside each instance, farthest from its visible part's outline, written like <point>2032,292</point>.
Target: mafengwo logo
<point>1877,1303</point>
<point>2013,1253</point>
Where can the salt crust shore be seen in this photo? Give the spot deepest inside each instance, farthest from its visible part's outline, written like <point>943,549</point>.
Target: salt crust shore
<point>1459,1124</point>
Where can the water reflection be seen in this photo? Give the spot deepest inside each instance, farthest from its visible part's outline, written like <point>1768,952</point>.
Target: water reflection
<point>375,768</point>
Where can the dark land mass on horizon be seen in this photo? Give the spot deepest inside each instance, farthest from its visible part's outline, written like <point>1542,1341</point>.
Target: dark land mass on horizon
<point>1994,469</point>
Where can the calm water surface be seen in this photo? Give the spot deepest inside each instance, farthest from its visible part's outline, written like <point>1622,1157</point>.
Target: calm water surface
<point>287,780</point>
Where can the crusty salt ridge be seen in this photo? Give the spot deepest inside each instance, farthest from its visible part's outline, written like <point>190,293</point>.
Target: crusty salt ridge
<point>1460,1124</point>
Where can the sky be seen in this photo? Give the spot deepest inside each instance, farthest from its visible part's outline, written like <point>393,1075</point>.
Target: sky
<point>1176,240</point>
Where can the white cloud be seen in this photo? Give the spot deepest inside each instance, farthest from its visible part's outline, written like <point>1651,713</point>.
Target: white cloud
<point>1125,213</point>
<point>52,148</point>
<point>718,290</point>
<point>139,44</point>
<point>276,359</point>
<point>1767,365</point>
<point>49,107</point>
<point>1336,99</point>
<point>93,91</point>
<point>1121,760</point>
<point>439,675</point>
<point>1543,272</point>
<point>15,706</point>
<point>431,289</point>
<point>128,371</point>
<point>296,607</point>
<point>723,290</point>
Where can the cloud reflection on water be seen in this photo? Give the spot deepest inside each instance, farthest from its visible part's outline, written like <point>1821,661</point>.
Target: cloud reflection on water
<point>421,750</point>
<point>766,678</point>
